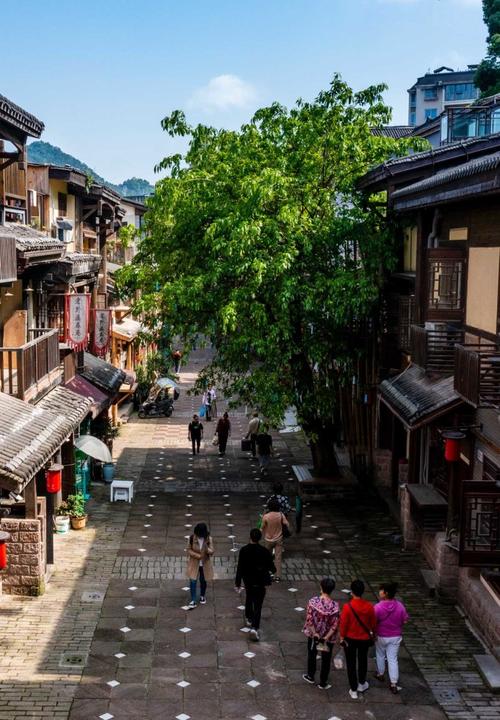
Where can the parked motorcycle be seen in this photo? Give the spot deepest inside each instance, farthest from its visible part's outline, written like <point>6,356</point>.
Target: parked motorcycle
<point>156,408</point>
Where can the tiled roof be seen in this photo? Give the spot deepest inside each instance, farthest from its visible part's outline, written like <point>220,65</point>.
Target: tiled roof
<point>31,434</point>
<point>15,115</point>
<point>459,172</point>
<point>416,398</point>
<point>394,131</point>
<point>445,78</point>
<point>28,239</point>
<point>102,374</point>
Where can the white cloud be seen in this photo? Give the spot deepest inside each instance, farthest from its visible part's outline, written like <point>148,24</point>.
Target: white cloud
<point>223,92</point>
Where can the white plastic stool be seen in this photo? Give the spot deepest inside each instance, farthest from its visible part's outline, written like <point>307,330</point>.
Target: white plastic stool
<point>121,490</point>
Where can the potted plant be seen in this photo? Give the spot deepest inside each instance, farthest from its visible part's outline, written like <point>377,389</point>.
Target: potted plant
<point>76,511</point>
<point>61,518</point>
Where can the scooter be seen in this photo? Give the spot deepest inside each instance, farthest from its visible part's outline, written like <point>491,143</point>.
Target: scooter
<point>156,408</point>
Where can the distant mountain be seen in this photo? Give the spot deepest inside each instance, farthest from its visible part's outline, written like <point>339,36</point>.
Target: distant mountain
<point>44,152</point>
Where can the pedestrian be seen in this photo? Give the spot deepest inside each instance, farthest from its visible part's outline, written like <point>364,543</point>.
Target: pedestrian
<point>255,568</point>
<point>283,500</point>
<point>195,433</point>
<point>321,629</point>
<point>253,431</point>
<point>177,357</point>
<point>273,522</point>
<point>264,443</point>
<point>206,401</point>
<point>357,634</point>
<point>391,616</point>
<point>200,550</point>
<point>223,431</point>
<point>213,400</point>
<point>299,513</point>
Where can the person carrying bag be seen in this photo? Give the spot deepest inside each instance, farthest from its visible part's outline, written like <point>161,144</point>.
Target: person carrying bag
<point>357,634</point>
<point>321,628</point>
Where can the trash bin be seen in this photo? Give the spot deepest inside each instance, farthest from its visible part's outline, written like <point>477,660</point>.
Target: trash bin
<point>108,471</point>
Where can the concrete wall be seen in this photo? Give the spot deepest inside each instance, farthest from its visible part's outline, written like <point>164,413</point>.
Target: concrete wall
<point>24,574</point>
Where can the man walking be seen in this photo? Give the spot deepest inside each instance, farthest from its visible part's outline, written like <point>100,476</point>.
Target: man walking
<point>253,431</point>
<point>255,566</point>
<point>264,448</point>
<point>195,433</point>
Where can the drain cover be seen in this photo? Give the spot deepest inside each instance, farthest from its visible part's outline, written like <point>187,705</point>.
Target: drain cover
<point>73,660</point>
<point>93,596</point>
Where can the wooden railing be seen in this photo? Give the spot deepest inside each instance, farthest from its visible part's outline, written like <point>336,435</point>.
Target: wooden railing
<point>434,350</point>
<point>477,374</point>
<point>28,369</point>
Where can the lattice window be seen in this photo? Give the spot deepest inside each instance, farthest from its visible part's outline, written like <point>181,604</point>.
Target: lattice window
<point>480,527</point>
<point>445,284</point>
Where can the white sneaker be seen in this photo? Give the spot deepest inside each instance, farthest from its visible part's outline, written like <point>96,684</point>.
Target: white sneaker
<point>191,605</point>
<point>203,600</point>
<point>363,687</point>
<point>255,634</point>
<point>353,694</point>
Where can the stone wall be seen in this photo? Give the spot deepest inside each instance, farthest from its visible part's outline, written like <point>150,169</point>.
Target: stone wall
<point>443,558</point>
<point>24,574</point>
<point>480,606</point>
<point>412,535</point>
<point>383,460</point>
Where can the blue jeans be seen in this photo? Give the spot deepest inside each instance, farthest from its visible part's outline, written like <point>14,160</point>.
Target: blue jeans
<point>203,585</point>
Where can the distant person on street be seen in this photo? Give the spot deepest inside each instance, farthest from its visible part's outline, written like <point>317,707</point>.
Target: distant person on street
<point>272,531</point>
<point>177,357</point>
<point>391,616</point>
<point>264,443</point>
<point>284,502</point>
<point>357,633</point>
<point>223,431</point>
<point>321,628</point>
<point>195,433</point>
<point>255,567</point>
<point>253,431</point>
<point>213,400</point>
<point>207,402</point>
<point>200,550</point>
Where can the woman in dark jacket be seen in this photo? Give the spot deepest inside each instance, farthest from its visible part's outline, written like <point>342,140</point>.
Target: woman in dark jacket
<point>223,431</point>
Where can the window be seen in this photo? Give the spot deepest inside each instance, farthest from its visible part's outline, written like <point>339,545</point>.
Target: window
<point>430,113</point>
<point>430,93</point>
<point>62,203</point>
<point>460,91</point>
<point>491,472</point>
<point>480,525</point>
<point>413,98</point>
<point>445,284</point>
<point>413,118</point>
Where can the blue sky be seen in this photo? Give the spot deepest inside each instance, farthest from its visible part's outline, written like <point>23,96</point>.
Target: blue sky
<point>102,73</point>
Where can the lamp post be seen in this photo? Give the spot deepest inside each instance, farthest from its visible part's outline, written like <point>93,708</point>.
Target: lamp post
<point>452,440</point>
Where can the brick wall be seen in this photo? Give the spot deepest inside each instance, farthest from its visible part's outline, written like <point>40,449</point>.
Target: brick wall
<point>479,605</point>
<point>412,535</point>
<point>443,558</point>
<point>383,460</point>
<point>24,574</point>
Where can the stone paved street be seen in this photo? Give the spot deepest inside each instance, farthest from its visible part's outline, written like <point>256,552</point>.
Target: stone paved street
<point>111,638</point>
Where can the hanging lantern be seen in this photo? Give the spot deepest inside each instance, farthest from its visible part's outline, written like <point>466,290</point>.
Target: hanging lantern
<point>53,477</point>
<point>452,439</point>
<point>4,536</point>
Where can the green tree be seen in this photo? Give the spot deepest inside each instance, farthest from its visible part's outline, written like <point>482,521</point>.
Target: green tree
<point>487,76</point>
<point>259,240</point>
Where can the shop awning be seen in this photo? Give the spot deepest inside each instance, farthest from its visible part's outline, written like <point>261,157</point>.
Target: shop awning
<point>416,399</point>
<point>98,398</point>
<point>102,374</point>
<point>31,434</point>
<point>126,329</point>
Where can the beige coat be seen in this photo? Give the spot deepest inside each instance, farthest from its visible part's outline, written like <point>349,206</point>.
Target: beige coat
<point>195,554</point>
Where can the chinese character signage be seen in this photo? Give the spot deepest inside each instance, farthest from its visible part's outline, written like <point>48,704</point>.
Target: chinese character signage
<point>102,331</point>
<point>77,311</point>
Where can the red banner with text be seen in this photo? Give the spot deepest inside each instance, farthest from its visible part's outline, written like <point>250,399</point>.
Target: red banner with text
<point>77,316</point>
<point>101,331</point>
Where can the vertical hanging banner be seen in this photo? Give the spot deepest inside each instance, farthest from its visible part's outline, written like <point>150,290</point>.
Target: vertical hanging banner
<point>101,331</point>
<point>77,312</point>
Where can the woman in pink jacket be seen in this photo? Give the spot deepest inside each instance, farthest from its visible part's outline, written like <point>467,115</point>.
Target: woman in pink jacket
<point>391,616</point>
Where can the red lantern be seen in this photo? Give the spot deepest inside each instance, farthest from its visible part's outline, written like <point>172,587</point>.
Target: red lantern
<point>4,536</point>
<point>53,477</point>
<point>452,439</point>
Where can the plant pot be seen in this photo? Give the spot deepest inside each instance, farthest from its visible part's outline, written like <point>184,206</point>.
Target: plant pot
<point>77,523</point>
<point>62,523</point>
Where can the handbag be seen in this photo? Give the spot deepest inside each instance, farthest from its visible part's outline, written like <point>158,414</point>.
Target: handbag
<point>285,528</point>
<point>215,441</point>
<point>367,630</point>
<point>246,445</point>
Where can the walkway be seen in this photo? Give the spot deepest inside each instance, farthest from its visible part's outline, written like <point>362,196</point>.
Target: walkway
<point>117,608</point>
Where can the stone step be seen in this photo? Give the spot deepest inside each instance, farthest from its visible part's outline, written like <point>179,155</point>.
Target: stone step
<point>489,667</point>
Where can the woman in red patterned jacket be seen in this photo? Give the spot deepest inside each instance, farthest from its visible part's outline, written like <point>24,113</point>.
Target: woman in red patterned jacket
<point>321,627</point>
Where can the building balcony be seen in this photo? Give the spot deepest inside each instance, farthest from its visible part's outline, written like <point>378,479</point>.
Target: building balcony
<point>28,371</point>
<point>477,374</point>
<point>433,348</point>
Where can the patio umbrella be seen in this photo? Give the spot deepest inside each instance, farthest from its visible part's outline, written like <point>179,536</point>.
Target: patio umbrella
<point>94,447</point>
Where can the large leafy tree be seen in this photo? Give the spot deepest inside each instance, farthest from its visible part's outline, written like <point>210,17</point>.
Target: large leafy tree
<point>488,73</point>
<point>259,241</point>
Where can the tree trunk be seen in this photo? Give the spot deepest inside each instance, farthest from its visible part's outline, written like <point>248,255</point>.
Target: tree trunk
<point>323,449</point>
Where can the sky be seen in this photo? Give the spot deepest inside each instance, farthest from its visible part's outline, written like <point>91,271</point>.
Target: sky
<point>101,74</point>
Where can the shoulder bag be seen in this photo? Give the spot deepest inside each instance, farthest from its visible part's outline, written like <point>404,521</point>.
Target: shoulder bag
<point>367,630</point>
